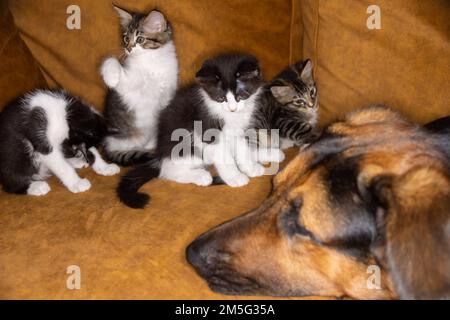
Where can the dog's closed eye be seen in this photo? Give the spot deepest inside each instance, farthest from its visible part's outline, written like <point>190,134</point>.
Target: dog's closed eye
<point>290,221</point>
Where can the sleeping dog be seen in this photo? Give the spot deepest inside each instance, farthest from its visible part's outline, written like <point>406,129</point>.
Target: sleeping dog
<point>370,198</point>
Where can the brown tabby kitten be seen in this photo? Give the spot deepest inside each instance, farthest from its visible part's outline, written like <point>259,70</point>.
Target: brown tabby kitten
<point>290,105</point>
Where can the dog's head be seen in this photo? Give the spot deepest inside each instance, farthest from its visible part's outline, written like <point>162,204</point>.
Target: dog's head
<point>364,212</point>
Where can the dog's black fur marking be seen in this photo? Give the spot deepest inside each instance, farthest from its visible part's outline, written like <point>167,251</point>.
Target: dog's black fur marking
<point>441,125</point>
<point>344,193</point>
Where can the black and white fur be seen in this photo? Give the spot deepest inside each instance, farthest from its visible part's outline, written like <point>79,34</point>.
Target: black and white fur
<point>225,98</point>
<point>140,87</point>
<point>49,132</point>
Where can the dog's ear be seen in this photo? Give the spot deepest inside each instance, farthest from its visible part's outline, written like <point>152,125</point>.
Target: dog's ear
<point>414,225</point>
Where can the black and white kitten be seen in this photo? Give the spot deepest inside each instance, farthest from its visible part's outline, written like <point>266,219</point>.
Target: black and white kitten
<point>140,87</point>
<point>290,104</point>
<point>49,132</point>
<point>222,103</point>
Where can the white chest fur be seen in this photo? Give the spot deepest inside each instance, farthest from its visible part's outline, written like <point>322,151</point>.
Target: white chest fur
<point>148,82</point>
<point>235,122</point>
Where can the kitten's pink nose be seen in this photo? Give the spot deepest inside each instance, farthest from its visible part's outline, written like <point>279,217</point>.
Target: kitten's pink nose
<point>232,107</point>
<point>232,104</point>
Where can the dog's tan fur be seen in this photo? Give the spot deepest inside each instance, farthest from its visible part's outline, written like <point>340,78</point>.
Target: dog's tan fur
<point>402,177</point>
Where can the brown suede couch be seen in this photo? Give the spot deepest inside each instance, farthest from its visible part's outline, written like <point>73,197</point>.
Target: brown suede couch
<point>127,254</point>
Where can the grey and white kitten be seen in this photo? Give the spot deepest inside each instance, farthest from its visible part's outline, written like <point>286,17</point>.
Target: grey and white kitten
<point>139,88</point>
<point>290,105</point>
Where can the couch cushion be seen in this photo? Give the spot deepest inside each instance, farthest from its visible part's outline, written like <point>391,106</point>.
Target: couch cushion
<point>122,253</point>
<point>19,71</point>
<point>202,28</point>
<point>406,64</point>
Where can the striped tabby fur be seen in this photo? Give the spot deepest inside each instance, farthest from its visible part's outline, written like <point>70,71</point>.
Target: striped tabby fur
<point>290,104</point>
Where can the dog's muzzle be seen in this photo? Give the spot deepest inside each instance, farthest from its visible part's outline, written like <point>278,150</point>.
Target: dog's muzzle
<point>214,266</point>
<point>202,254</point>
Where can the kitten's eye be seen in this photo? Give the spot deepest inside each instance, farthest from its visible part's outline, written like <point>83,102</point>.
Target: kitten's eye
<point>313,92</point>
<point>300,102</point>
<point>242,96</point>
<point>238,74</point>
<point>140,39</point>
<point>222,99</point>
<point>126,39</point>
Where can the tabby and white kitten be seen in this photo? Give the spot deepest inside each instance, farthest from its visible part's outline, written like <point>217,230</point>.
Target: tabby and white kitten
<point>290,105</point>
<point>49,132</point>
<point>225,98</point>
<point>140,88</point>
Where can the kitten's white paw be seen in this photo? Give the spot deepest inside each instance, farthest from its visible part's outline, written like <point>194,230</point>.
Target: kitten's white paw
<point>106,169</point>
<point>253,170</point>
<point>78,163</point>
<point>80,186</point>
<point>110,72</point>
<point>202,178</point>
<point>237,181</point>
<point>38,188</point>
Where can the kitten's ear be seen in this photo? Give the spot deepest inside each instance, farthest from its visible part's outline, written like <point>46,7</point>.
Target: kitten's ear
<point>283,94</point>
<point>125,16</point>
<point>155,22</point>
<point>307,71</point>
<point>206,74</point>
<point>249,70</point>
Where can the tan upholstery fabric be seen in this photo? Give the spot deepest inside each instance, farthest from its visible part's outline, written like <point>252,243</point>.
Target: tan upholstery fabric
<point>122,253</point>
<point>19,71</point>
<point>406,64</point>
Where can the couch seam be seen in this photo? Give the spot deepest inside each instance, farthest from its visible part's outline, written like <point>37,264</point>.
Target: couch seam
<point>291,31</point>
<point>8,40</point>
<point>316,41</point>
<point>20,34</point>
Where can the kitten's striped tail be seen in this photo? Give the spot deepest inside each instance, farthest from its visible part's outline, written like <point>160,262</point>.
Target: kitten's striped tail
<point>134,179</point>
<point>129,157</point>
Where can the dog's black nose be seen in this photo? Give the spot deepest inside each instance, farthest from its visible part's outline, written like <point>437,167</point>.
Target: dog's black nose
<point>193,254</point>
<point>200,253</point>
